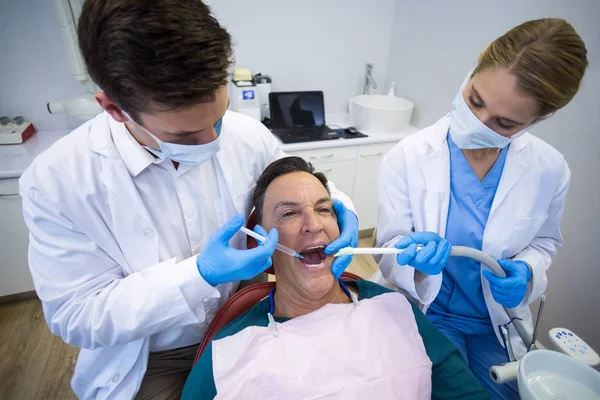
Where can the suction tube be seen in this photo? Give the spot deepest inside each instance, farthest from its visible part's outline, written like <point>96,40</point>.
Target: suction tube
<point>461,251</point>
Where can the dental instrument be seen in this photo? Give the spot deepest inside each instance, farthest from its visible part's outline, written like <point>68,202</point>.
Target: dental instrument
<point>505,334</point>
<point>537,323</point>
<point>349,251</point>
<point>263,239</point>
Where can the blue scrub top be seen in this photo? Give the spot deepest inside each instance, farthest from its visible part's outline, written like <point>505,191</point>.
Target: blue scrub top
<point>460,302</point>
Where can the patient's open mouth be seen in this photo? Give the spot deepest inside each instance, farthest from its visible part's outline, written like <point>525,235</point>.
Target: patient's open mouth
<point>313,256</point>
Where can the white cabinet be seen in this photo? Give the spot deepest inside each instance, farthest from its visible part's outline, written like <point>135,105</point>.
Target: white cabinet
<point>338,164</point>
<point>14,240</point>
<point>366,180</point>
<point>355,171</point>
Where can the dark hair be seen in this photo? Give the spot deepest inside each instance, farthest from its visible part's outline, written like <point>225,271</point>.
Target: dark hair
<point>278,168</point>
<point>154,55</point>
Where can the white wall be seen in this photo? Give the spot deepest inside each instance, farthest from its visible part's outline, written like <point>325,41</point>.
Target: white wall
<point>311,44</point>
<point>435,44</point>
<point>33,64</point>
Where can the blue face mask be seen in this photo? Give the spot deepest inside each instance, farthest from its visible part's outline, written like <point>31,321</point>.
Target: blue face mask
<point>184,153</point>
<point>468,132</point>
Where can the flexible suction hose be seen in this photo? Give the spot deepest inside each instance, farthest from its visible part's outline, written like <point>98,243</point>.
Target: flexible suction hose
<point>461,251</point>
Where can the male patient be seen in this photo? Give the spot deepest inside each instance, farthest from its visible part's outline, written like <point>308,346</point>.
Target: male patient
<point>319,344</point>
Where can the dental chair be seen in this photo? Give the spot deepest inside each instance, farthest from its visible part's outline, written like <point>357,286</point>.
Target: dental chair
<point>244,299</point>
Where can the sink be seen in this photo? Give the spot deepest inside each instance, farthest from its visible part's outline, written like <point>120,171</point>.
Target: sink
<point>549,375</point>
<point>372,114</point>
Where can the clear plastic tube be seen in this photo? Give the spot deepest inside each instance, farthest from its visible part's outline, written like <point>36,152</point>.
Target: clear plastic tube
<point>263,239</point>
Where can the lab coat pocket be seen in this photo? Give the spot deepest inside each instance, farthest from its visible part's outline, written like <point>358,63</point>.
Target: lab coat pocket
<point>524,231</point>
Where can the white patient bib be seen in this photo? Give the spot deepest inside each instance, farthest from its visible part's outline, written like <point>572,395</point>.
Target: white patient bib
<point>336,352</point>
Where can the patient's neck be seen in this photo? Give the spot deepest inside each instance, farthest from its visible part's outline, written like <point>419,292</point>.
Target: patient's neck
<point>291,303</point>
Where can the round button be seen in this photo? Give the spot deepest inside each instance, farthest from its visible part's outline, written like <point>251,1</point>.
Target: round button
<point>148,232</point>
<point>116,377</point>
<point>570,334</point>
<point>584,347</point>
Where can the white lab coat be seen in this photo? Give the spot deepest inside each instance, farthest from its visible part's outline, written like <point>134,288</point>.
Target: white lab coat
<point>94,259</point>
<point>523,224</point>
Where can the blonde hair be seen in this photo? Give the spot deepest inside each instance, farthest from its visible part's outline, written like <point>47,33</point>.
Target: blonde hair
<point>546,55</point>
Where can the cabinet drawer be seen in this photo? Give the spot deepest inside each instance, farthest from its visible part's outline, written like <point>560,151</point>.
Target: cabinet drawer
<point>14,269</point>
<point>9,187</point>
<point>340,173</point>
<point>332,154</point>
<point>375,150</point>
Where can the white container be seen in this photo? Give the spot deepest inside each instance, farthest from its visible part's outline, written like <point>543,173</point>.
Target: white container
<point>373,114</point>
<point>549,375</point>
<point>84,107</point>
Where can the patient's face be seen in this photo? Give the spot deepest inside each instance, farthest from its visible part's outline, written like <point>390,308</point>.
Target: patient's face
<point>300,208</point>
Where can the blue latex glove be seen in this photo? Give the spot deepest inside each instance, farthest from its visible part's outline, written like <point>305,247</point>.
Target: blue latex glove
<point>511,290</point>
<point>348,223</point>
<point>220,263</point>
<point>431,259</point>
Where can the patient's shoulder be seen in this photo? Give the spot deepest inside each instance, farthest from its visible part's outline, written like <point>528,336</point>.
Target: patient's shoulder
<point>256,316</point>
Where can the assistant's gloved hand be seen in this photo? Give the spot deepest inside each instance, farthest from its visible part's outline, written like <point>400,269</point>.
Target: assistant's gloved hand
<point>220,263</point>
<point>510,291</point>
<point>431,259</point>
<point>348,223</point>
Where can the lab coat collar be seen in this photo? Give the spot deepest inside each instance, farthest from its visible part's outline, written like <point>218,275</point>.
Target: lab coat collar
<point>115,172</point>
<point>135,157</point>
<point>437,138</point>
<point>112,139</point>
<point>436,173</point>
<point>100,139</point>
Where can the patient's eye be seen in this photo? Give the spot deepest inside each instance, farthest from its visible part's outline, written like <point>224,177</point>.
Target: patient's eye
<point>324,210</point>
<point>288,214</point>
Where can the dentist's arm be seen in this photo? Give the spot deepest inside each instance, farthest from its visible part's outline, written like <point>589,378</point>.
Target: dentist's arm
<point>87,298</point>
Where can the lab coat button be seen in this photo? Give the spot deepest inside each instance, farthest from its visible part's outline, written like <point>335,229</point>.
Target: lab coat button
<point>148,232</point>
<point>116,377</point>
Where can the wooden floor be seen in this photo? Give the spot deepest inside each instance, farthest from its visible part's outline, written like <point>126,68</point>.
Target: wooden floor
<point>35,364</point>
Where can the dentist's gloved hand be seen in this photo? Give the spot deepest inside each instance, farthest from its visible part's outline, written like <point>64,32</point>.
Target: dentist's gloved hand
<point>510,291</point>
<point>220,263</point>
<point>431,259</point>
<point>348,223</point>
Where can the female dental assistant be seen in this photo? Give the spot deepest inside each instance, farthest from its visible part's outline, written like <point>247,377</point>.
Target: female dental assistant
<point>479,179</point>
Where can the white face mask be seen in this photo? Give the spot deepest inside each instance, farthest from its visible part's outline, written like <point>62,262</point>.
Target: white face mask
<point>468,132</point>
<point>184,153</point>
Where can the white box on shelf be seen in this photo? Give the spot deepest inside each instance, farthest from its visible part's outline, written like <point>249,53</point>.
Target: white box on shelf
<point>16,134</point>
